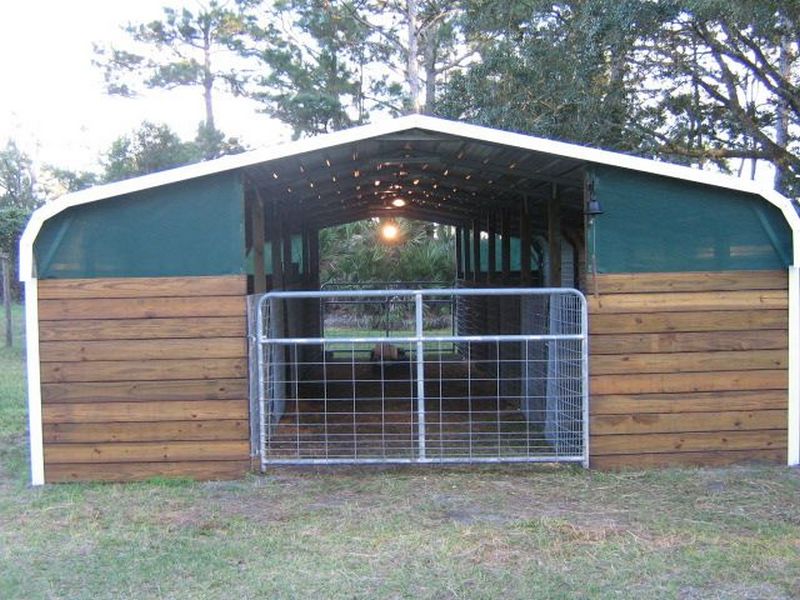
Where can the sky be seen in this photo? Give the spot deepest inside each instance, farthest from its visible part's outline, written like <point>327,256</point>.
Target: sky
<point>52,99</point>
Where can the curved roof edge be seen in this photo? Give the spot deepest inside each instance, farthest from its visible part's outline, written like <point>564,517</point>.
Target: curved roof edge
<point>355,134</point>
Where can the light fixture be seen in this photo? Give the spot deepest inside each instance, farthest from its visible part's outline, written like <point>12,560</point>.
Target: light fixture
<point>398,203</point>
<point>390,231</point>
<point>593,206</point>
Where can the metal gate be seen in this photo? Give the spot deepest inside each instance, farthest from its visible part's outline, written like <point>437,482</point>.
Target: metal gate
<point>453,376</point>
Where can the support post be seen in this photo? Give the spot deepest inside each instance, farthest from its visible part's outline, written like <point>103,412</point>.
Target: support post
<point>491,267</point>
<point>459,254</point>
<point>257,224</point>
<point>467,254</point>
<point>275,245</point>
<point>476,250</point>
<point>554,238</point>
<point>525,244</point>
<point>420,378</point>
<point>505,250</point>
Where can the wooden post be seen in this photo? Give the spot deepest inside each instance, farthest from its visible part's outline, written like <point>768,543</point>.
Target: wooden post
<point>313,258</point>
<point>459,254</point>
<point>491,268</point>
<point>257,224</point>
<point>288,273</point>
<point>467,254</point>
<point>554,238</point>
<point>275,246</point>
<point>7,298</point>
<point>525,244</point>
<point>505,250</point>
<point>476,250</point>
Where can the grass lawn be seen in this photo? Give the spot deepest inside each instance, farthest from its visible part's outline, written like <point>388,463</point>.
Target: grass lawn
<point>397,533</point>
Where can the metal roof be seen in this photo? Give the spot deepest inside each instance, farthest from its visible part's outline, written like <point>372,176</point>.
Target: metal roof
<point>444,171</point>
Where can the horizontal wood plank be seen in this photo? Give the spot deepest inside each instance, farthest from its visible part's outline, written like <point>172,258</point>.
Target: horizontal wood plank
<point>689,301</point>
<point>145,391</point>
<point>688,442</point>
<point>136,471</point>
<point>689,382</point>
<point>143,349</point>
<point>98,412</point>
<point>688,342</point>
<point>687,362</point>
<point>138,287</point>
<point>146,370</point>
<point>670,459</point>
<point>712,320</point>
<point>677,423</point>
<point>141,308</point>
<point>631,283</point>
<point>59,433</point>
<point>146,452</point>
<point>142,329</point>
<point>697,402</point>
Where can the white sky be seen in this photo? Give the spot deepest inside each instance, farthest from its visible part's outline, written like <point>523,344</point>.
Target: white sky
<point>52,100</point>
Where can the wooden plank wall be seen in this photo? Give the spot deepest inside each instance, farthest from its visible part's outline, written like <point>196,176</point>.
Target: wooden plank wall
<point>688,368</point>
<point>144,377</point>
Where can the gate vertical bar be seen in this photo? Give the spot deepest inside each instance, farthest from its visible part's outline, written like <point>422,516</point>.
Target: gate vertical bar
<point>420,378</point>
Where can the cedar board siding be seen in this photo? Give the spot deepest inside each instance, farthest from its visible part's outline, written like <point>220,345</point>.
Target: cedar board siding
<point>144,377</point>
<point>688,368</point>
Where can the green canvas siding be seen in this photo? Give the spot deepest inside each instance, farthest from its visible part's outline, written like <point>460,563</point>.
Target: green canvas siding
<point>657,224</point>
<point>194,227</point>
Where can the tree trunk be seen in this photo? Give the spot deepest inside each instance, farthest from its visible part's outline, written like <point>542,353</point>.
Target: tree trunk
<point>782,116</point>
<point>412,68</point>
<point>208,80</point>
<point>7,299</point>
<point>430,71</point>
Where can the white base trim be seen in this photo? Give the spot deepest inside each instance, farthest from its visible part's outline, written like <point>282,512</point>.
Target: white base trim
<point>34,381</point>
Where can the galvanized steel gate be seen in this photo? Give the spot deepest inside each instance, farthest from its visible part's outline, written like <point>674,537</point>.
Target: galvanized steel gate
<point>458,376</point>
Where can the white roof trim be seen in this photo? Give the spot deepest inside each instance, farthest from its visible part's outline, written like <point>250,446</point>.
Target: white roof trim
<point>482,134</point>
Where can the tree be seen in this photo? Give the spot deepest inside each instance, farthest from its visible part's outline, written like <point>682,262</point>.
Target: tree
<point>563,70</point>
<point>330,63</point>
<point>314,55</point>
<point>148,149</point>
<point>17,179</point>
<point>12,222</point>
<point>181,50</point>
<point>726,84</point>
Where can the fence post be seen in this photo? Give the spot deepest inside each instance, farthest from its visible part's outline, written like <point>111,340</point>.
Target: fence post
<point>7,299</point>
<point>420,378</point>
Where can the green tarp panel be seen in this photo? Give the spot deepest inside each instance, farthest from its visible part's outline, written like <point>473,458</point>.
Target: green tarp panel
<point>190,228</point>
<point>659,224</point>
<point>467,244</point>
<point>297,256</point>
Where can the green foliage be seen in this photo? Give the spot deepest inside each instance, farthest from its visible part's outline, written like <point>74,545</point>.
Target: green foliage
<point>72,181</point>
<point>313,51</point>
<point>357,253</point>
<point>155,147</point>
<point>17,180</point>
<point>561,70</point>
<point>150,148</point>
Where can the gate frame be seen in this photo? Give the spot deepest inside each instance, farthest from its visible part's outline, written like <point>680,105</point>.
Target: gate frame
<point>260,340</point>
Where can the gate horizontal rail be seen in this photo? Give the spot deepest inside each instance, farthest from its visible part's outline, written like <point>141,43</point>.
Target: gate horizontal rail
<point>472,397</point>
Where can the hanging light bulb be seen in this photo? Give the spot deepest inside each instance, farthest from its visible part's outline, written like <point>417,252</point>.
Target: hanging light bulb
<point>390,231</point>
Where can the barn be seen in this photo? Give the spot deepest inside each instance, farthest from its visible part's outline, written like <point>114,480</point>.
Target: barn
<point>607,310</point>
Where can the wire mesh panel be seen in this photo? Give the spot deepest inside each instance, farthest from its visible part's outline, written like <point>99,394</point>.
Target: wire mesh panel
<point>433,383</point>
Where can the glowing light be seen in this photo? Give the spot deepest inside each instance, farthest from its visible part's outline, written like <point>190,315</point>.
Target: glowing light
<point>390,231</point>
<point>398,203</point>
